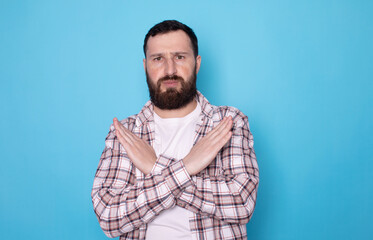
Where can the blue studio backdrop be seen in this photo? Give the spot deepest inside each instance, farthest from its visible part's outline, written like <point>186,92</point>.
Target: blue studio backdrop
<point>300,70</point>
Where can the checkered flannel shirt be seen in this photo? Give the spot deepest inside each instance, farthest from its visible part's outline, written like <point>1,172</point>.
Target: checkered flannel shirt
<point>222,196</point>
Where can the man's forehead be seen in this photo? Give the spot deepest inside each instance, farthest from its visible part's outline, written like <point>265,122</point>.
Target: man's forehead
<point>175,41</point>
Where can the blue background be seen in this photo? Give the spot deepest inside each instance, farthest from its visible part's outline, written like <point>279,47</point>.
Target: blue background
<point>301,70</point>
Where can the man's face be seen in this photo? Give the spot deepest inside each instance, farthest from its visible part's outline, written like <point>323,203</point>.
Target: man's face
<point>171,69</point>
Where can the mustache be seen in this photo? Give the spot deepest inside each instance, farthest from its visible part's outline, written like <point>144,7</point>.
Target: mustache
<point>170,77</point>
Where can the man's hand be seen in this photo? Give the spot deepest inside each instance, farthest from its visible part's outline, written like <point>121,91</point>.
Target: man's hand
<point>140,152</point>
<point>202,154</point>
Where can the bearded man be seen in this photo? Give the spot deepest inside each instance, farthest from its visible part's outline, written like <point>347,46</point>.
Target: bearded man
<point>181,168</point>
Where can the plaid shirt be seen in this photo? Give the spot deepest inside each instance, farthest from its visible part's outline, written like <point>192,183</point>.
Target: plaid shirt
<point>222,196</point>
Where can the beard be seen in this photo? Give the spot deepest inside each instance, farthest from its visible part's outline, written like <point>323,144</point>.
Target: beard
<point>172,98</point>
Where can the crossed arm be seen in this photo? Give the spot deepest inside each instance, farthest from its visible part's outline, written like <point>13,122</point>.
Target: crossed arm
<point>123,204</point>
<point>142,155</point>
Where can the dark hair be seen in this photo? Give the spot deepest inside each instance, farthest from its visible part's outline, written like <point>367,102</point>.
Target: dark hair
<point>172,25</point>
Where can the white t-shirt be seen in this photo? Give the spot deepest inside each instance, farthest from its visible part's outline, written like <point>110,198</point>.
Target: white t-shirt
<point>173,138</point>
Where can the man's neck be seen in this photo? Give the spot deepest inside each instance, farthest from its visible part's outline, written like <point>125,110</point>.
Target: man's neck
<point>176,113</point>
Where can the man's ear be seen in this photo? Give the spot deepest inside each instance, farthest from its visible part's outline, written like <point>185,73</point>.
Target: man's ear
<point>198,63</point>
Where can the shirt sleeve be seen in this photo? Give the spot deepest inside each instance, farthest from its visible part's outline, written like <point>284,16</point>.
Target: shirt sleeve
<point>121,202</point>
<point>227,192</point>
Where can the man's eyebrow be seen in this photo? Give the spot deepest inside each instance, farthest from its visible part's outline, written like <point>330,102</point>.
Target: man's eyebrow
<point>173,53</point>
<point>176,53</point>
<point>155,54</point>
<point>182,53</point>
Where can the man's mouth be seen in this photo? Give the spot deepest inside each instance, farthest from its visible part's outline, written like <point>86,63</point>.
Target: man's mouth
<point>170,83</point>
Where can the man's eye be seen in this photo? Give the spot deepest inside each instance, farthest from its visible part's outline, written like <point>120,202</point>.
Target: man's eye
<point>180,57</point>
<point>157,58</point>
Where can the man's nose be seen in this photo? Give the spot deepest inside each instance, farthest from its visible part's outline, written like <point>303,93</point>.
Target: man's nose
<point>170,68</point>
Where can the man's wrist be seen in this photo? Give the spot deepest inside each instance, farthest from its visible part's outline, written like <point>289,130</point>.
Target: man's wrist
<point>190,168</point>
<point>177,177</point>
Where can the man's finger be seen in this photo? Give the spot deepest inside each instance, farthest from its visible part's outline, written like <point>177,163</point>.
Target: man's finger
<point>218,127</point>
<point>226,121</point>
<point>221,140</point>
<point>222,128</point>
<point>129,134</point>
<point>226,138</point>
<point>221,136</point>
<point>119,128</point>
<point>121,139</point>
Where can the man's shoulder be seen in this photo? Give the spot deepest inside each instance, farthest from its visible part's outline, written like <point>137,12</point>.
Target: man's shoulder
<point>217,113</point>
<point>227,111</point>
<point>238,117</point>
